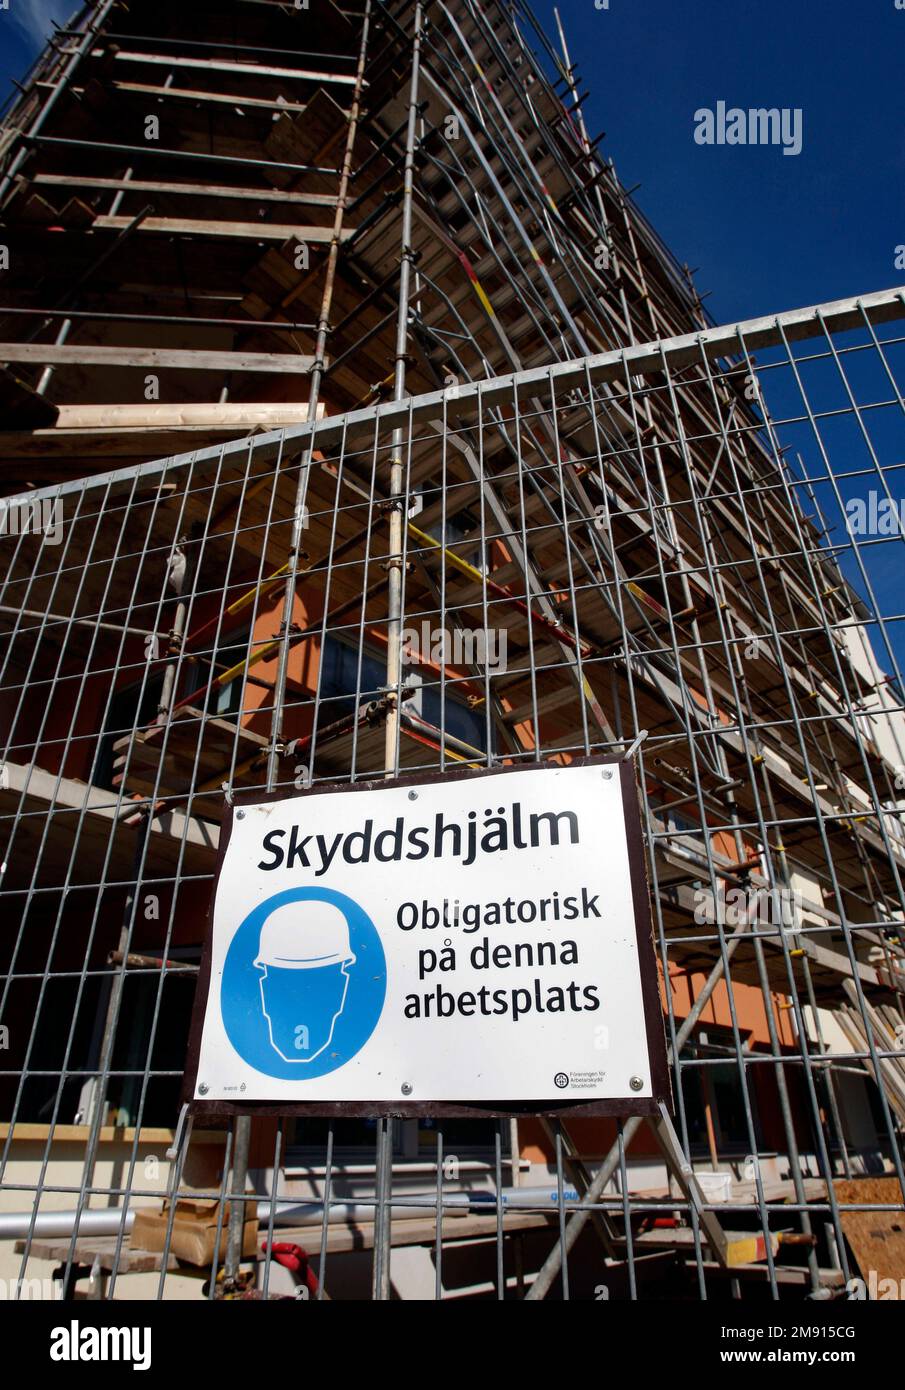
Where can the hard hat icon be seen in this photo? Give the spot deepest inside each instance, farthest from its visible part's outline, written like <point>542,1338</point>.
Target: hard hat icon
<point>305,936</point>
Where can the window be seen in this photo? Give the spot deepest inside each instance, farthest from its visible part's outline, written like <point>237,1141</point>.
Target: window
<point>224,700</point>
<point>130,708</point>
<point>717,1087</point>
<point>340,682</point>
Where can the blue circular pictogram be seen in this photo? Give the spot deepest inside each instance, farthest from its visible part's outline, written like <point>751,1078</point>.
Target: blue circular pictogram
<point>304,983</point>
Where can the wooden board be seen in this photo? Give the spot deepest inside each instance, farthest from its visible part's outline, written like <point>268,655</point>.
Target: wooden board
<point>196,751</point>
<point>168,60</point>
<point>191,190</point>
<point>247,231</point>
<point>188,359</point>
<point>87,840</point>
<point>341,1239</point>
<point>876,1238</point>
<point>743,1247</point>
<point>207,415</point>
<point>101,1251</point>
<point>195,94</point>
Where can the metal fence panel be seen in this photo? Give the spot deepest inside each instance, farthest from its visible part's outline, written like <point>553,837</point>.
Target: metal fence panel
<point>630,553</point>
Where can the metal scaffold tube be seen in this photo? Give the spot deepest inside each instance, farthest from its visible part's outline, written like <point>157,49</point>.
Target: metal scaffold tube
<point>395,562</point>
<point>243,1123</point>
<point>396,497</point>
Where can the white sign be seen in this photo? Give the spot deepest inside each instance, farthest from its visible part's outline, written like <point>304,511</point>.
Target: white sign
<point>469,938</point>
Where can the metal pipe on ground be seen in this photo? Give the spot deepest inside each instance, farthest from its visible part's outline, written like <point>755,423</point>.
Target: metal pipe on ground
<point>59,1225</point>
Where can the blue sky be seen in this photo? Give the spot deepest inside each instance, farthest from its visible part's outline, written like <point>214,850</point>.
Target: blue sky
<point>766,231</point>
<point>23,28</point>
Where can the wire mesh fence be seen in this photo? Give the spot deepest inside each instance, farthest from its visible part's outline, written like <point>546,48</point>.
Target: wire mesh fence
<point>632,554</point>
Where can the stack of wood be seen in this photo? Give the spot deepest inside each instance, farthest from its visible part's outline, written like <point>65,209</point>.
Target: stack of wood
<point>886,1028</point>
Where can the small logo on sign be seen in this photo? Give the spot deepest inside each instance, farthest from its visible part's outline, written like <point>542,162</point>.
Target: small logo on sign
<point>561,1080</point>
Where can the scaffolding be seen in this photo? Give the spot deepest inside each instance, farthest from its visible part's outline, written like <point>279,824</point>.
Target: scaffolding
<point>534,506</point>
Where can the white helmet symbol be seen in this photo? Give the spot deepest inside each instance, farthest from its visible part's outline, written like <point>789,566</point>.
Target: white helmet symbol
<point>303,936</point>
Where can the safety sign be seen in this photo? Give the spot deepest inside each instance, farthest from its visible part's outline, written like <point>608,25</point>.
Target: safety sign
<point>481,938</point>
